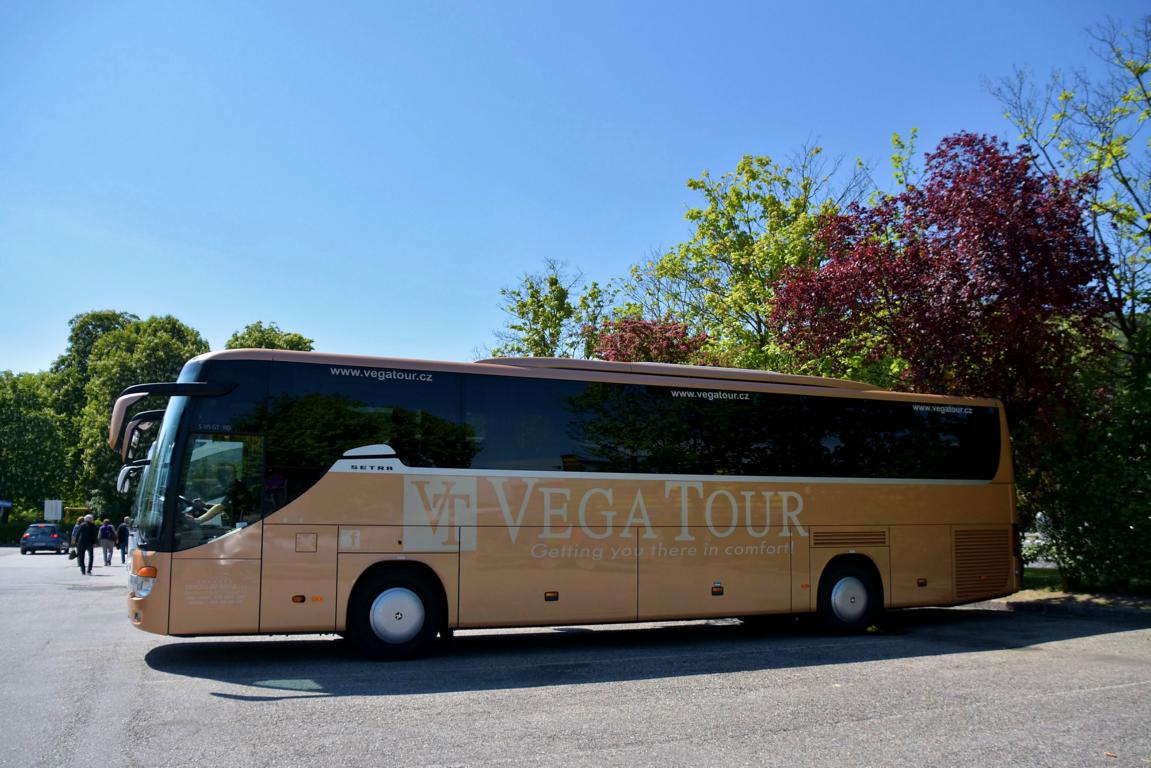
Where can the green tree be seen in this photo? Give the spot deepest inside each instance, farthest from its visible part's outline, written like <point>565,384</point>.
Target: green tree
<point>1097,517</point>
<point>259,336</point>
<point>71,377</point>
<point>33,442</point>
<point>1096,129</point>
<point>144,351</point>
<point>545,321</point>
<point>84,330</point>
<point>756,222</point>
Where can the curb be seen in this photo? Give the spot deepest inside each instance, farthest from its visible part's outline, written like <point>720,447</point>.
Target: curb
<point>1057,606</point>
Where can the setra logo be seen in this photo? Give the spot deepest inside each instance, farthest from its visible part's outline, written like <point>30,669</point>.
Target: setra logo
<point>439,514</point>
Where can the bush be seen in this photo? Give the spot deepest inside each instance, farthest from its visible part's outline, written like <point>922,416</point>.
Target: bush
<point>1099,514</point>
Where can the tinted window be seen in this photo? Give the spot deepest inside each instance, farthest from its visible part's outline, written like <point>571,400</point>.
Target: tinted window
<point>222,487</point>
<point>240,411</point>
<point>315,413</point>
<point>529,424</point>
<point>891,439</point>
<point>309,415</point>
<point>580,426</point>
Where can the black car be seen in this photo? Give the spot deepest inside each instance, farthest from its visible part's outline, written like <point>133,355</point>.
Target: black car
<point>43,536</point>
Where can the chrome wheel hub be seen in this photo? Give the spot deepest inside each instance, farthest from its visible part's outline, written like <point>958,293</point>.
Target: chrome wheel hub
<point>396,615</point>
<point>849,599</point>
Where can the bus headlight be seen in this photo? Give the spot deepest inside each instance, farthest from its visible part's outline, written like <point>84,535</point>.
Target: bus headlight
<point>142,581</point>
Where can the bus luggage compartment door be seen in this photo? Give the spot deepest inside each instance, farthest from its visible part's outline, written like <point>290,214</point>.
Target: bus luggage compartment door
<point>299,579</point>
<point>534,582</point>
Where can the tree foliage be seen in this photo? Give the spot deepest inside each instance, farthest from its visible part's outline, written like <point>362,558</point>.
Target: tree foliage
<point>982,281</point>
<point>71,368</point>
<point>144,351</point>
<point>1095,495</point>
<point>34,442</point>
<point>756,222</point>
<point>1096,130</point>
<point>632,339</point>
<point>985,281</point>
<point>545,320</point>
<point>259,336</point>
<point>70,374</point>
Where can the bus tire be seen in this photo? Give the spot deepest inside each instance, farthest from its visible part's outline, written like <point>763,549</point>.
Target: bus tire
<point>394,614</point>
<point>850,597</point>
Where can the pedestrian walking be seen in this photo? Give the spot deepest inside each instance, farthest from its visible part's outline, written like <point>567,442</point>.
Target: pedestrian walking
<point>86,543</point>
<point>107,540</point>
<point>123,533</point>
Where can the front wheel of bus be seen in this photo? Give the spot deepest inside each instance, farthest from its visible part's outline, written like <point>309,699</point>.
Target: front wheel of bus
<point>394,615</point>
<point>849,598</point>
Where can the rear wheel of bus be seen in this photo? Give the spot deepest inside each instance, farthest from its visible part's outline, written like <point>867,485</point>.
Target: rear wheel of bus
<point>394,614</point>
<point>850,596</point>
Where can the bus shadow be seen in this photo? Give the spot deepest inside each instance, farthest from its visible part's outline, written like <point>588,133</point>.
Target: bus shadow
<point>270,669</point>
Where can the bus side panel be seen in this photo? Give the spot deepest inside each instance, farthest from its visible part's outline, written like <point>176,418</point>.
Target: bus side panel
<point>217,585</point>
<point>351,567</point>
<point>921,569</point>
<point>801,589</point>
<point>216,596</point>
<point>852,504</point>
<point>691,573</point>
<point>506,583</point>
<point>351,498</point>
<point>299,579</point>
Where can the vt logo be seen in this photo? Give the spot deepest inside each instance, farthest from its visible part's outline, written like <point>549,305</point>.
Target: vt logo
<point>439,513</point>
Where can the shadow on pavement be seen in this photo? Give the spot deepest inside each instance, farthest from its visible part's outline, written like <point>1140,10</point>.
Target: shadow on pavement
<point>492,660</point>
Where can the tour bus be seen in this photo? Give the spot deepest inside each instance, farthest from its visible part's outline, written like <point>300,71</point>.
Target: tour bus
<point>393,501</point>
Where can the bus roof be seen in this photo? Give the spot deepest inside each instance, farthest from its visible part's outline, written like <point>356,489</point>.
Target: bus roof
<point>542,364</point>
<point>668,369</point>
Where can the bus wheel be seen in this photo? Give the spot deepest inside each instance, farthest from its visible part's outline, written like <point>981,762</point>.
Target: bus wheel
<point>849,598</point>
<point>394,615</point>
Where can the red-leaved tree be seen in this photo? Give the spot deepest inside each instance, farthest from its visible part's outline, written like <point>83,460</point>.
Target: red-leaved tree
<point>983,280</point>
<point>636,340</point>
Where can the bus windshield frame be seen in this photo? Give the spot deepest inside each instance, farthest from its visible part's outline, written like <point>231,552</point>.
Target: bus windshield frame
<point>152,500</point>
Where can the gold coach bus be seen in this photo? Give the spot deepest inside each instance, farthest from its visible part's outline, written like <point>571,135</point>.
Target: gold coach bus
<point>392,501</point>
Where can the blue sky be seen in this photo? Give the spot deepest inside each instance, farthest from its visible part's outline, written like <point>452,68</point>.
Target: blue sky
<point>371,174</point>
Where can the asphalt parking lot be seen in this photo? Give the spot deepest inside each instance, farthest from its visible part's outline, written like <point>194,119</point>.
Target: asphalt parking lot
<point>976,686</point>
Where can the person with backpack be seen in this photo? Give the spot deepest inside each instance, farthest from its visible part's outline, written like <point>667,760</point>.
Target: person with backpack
<point>123,533</point>
<point>85,542</point>
<point>107,540</point>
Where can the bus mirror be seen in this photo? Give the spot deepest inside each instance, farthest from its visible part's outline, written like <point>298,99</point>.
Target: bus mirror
<point>125,476</point>
<point>135,394</point>
<point>138,429</point>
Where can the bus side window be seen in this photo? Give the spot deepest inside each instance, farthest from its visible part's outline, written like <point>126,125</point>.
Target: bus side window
<point>222,482</point>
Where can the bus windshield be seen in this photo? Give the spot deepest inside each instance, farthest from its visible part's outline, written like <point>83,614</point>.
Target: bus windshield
<point>150,499</point>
